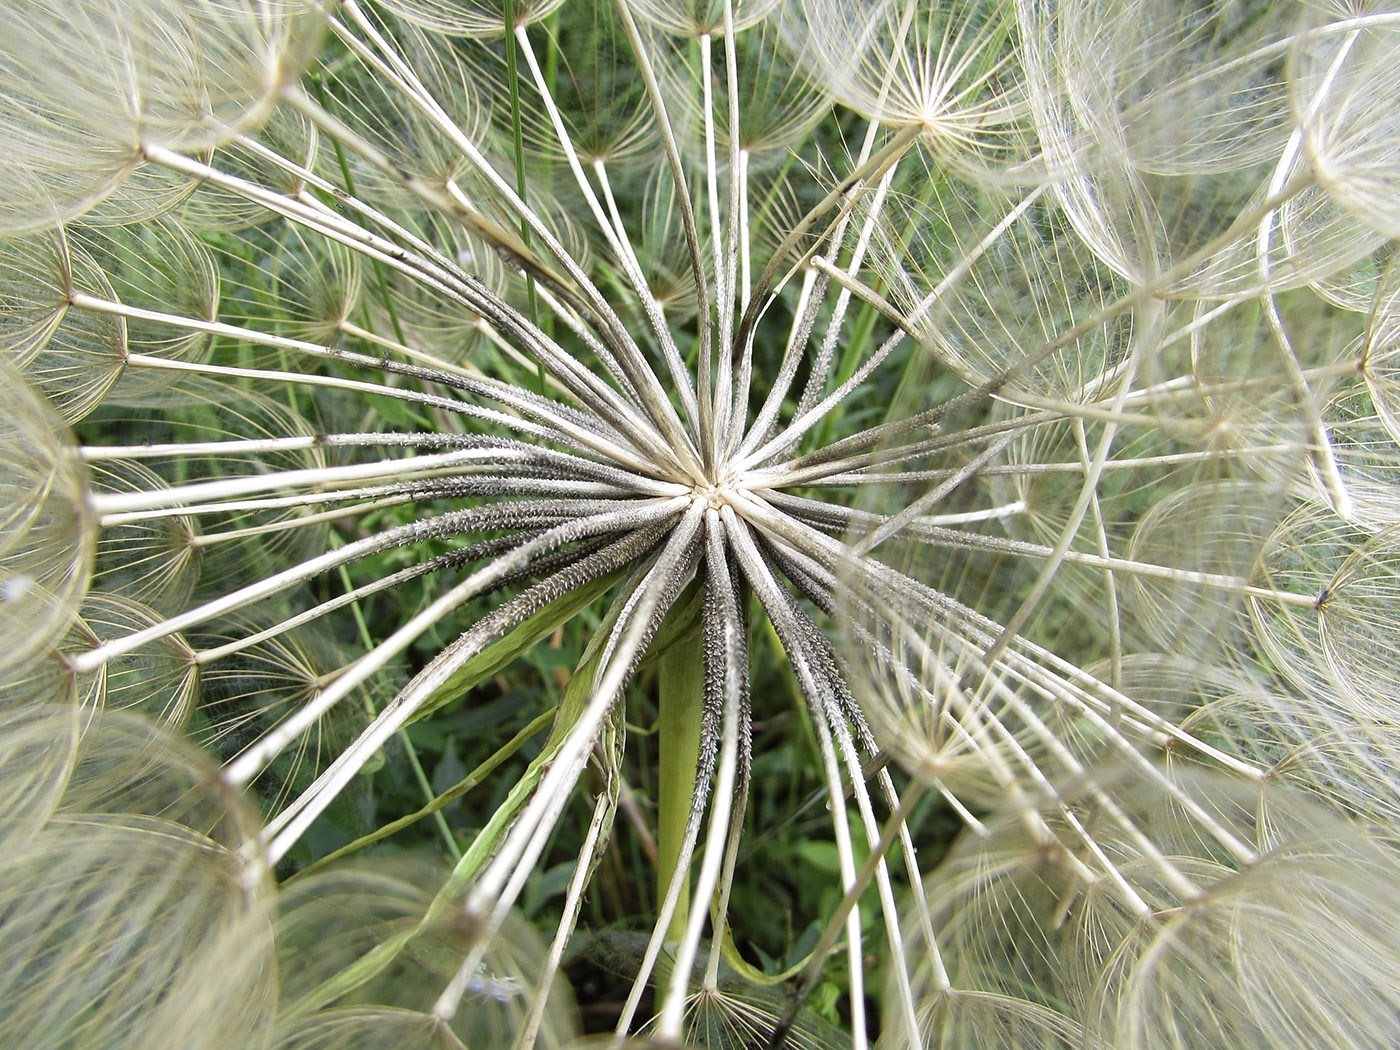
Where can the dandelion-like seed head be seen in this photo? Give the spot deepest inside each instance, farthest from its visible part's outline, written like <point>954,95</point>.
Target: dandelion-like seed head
<point>834,522</point>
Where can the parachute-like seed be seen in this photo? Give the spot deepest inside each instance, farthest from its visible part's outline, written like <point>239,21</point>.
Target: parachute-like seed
<point>88,88</point>
<point>957,1018</point>
<point>1290,949</point>
<point>1024,372</point>
<point>1159,928</point>
<point>152,559</point>
<point>161,682</point>
<point>283,153</point>
<point>736,1015</point>
<point>949,70</point>
<point>38,747</point>
<point>1166,123</point>
<point>470,18</point>
<point>367,1028</point>
<point>1339,759</point>
<point>1382,346</point>
<point>1212,528</point>
<point>156,266</point>
<point>385,923</point>
<point>693,18</point>
<point>138,913</point>
<point>981,306</point>
<point>1342,73</point>
<point>73,356</point>
<point>46,527</point>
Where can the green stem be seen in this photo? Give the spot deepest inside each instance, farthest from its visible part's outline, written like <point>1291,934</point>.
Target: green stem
<point>681,683</point>
<point>518,137</point>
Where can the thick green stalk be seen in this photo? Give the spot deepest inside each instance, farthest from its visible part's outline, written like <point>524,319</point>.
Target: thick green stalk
<point>681,683</point>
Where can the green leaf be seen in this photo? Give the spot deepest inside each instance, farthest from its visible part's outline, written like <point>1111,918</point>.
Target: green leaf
<point>525,634</point>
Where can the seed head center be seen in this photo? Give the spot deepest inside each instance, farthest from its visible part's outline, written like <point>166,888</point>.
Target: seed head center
<point>716,494</point>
